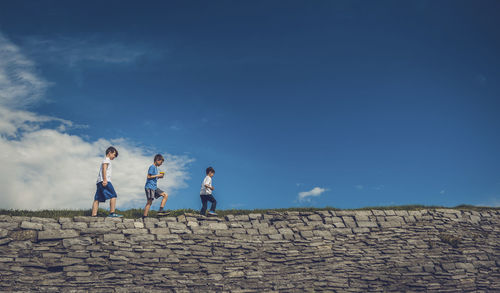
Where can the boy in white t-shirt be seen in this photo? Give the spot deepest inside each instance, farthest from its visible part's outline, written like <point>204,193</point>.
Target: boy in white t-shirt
<point>105,189</point>
<point>206,193</point>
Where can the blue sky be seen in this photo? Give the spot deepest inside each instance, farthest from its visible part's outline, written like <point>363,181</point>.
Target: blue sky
<point>348,103</point>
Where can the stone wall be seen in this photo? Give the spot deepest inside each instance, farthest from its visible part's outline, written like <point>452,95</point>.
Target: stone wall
<point>345,251</point>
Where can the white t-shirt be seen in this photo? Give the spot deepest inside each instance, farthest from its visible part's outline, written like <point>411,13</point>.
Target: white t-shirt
<point>206,181</point>
<point>108,170</point>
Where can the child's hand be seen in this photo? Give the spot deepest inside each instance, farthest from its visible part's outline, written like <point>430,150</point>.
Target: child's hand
<point>211,187</point>
<point>104,183</point>
<point>161,175</point>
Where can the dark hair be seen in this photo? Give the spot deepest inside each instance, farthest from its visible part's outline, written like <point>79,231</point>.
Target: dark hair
<point>210,169</point>
<point>158,157</point>
<point>111,150</point>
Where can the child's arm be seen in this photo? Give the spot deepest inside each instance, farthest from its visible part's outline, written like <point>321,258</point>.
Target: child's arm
<point>209,187</point>
<point>154,176</point>
<point>104,177</point>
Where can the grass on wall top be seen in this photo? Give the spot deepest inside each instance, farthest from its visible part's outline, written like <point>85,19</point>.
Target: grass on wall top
<point>137,213</point>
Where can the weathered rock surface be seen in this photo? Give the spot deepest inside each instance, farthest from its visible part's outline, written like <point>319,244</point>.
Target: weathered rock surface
<point>344,251</point>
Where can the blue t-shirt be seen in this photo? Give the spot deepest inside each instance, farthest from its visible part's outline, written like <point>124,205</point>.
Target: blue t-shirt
<point>151,183</point>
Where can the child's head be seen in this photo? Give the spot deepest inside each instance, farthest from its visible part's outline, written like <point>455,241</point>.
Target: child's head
<point>158,160</point>
<point>111,153</point>
<point>210,171</point>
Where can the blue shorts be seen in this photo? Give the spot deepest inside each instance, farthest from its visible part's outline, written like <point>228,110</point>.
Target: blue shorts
<point>104,193</point>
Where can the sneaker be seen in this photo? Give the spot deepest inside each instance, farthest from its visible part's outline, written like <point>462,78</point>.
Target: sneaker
<point>115,215</point>
<point>163,213</point>
<point>212,213</point>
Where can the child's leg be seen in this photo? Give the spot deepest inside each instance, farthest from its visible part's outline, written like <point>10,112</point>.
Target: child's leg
<point>211,198</point>
<point>164,200</point>
<point>146,208</point>
<point>203,203</point>
<point>95,206</point>
<point>112,204</point>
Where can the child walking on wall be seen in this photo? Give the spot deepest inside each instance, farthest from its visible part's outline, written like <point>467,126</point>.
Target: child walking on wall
<point>206,193</point>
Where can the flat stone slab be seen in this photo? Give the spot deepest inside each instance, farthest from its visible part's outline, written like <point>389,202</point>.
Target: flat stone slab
<point>57,234</point>
<point>31,226</point>
<point>217,226</point>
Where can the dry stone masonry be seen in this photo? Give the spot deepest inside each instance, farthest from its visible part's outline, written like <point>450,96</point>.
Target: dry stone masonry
<point>346,251</point>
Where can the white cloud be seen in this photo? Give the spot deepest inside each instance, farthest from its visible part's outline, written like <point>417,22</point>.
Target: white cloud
<point>306,195</point>
<point>359,187</point>
<point>14,122</point>
<point>19,85</point>
<point>73,51</point>
<point>442,191</point>
<point>44,167</point>
<point>176,126</point>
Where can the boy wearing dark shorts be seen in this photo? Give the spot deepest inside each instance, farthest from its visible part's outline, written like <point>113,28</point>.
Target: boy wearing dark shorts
<point>206,193</point>
<point>105,190</point>
<point>151,187</point>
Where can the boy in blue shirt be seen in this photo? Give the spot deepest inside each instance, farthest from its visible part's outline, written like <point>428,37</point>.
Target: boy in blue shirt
<point>151,188</point>
<point>105,189</point>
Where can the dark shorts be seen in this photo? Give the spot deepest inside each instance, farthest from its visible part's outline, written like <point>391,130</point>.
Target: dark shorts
<point>152,193</point>
<point>104,193</point>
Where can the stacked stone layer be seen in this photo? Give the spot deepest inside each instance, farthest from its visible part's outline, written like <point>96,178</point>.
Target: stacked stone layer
<point>344,251</point>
